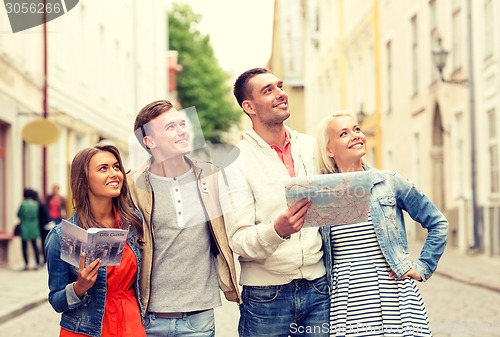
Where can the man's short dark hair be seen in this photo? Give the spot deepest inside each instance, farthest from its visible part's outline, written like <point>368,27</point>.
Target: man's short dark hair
<point>240,89</point>
<point>146,115</point>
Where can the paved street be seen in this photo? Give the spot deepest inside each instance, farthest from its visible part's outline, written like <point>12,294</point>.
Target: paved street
<point>41,321</point>
<point>460,310</point>
<point>455,309</point>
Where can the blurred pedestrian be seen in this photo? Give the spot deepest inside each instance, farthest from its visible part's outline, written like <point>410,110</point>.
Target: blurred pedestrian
<point>370,271</point>
<point>98,301</point>
<point>30,228</point>
<point>44,221</point>
<point>56,204</point>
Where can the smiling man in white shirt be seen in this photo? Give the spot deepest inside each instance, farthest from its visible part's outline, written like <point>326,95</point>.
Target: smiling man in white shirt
<point>285,291</point>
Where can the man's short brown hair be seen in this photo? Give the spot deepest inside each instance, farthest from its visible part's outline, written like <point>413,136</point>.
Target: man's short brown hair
<point>146,115</point>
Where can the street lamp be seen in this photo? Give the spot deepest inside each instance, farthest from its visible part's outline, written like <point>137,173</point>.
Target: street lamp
<point>439,57</point>
<point>361,115</point>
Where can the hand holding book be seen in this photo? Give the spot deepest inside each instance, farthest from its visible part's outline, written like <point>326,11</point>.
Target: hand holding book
<point>86,276</point>
<point>106,244</point>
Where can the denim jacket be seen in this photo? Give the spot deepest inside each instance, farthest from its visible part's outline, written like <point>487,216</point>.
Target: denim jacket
<point>390,195</point>
<point>85,315</point>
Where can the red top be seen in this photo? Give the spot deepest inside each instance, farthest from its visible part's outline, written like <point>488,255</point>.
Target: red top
<point>55,207</point>
<point>285,154</point>
<point>122,317</point>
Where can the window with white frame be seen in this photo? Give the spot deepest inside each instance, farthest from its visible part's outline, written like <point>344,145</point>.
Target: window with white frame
<point>414,54</point>
<point>458,155</point>
<point>417,169</point>
<point>83,69</point>
<point>488,28</point>
<point>457,37</point>
<point>117,73</point>
<point>103,43</point>
<point>389,162</point>
<point>370,86</point>
<point>322,90</point>
<point>351,86</point>
<point>389,76</point>
<point>372,155</point>
<point>58,44</point>
<point>434,36</point>
<point>493,151</point>
<point>334,92</point>
<point>360,90</point>
<point>3,176</point>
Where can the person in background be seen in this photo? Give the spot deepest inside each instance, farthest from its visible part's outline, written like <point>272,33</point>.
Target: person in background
<point>370,271</point>
<point>56,204</point>
<point>186,257</point>
<point>98,301</point>
<point>30,229</point>
<point>44,221</point>
<point>285,290</point>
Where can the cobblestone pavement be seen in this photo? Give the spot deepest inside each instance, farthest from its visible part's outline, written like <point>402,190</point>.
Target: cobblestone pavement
<point>460,310</point>
<point>455,309</point>
<point>462,299</point>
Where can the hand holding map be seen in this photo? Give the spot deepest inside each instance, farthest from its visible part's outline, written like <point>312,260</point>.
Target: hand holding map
<point>338,198</point>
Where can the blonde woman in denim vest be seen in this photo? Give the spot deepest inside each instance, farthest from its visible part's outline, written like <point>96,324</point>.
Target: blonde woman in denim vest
<point>370,271</point>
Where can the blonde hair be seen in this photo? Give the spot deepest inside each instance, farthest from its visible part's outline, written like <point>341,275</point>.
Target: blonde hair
<point>324,163</point>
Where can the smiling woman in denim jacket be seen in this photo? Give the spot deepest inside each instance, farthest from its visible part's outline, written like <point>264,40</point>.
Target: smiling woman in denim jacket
<point>98,301</point>
<point>368,264</point>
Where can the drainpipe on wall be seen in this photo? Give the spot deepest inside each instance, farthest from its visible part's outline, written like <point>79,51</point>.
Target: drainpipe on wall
<point>45,103</point>
<point>475,225</point>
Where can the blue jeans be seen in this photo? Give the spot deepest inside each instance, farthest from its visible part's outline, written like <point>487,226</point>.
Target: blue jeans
<point>299,308</point>
<point>198,325</point>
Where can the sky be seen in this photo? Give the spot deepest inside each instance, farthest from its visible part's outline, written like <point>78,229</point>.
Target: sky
<point>240,31</point>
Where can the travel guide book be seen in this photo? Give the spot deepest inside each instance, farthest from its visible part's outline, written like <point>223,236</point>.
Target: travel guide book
<point>106,244</point>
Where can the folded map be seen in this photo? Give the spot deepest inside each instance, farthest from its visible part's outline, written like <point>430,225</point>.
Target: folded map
<point>337,198</point>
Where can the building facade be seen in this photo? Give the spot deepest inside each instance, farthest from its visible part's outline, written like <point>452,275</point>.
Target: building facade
<point>104,61</point>
<point>449,144</point>
<point>342,59</point>
<point>287,57</point>
<point>375,59</point>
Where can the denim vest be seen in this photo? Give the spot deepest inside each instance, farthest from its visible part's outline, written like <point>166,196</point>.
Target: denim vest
<point>85,316</point>
<point>390,195</point>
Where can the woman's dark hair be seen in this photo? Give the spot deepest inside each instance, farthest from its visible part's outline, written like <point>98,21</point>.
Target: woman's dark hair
<point>28,193</point>
<point>80,190</point>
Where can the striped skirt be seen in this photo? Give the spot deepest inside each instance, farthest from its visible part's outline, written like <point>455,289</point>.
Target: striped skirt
<point>365,301</point>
